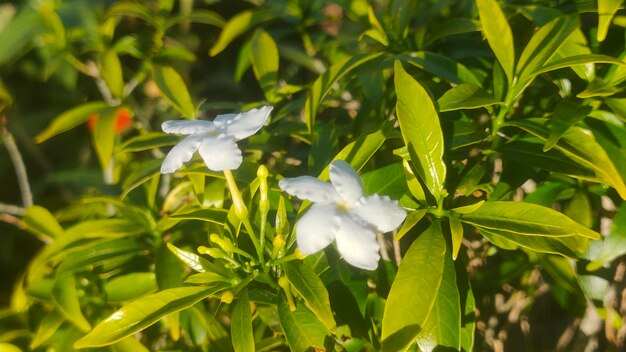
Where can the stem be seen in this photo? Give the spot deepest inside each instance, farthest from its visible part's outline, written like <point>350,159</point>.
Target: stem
<point>287,258</point>
<point>12,209</point>
<point>242,212</point>
<point>20,169</point>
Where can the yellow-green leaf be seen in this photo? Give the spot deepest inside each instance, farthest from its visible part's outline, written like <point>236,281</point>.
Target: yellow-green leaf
<point>174,90</point>
<point>302,329</point>
<point>144,312</point>
<point>264,58</point>
<point>39,221</point>
<point>65,296</point>
<point>421,131</point>
<point>241,324</point>
<point>606,11</point>
<point>111,72</point>
<point>414,290</point>
<point>71,118</point>
<point>498,33</point>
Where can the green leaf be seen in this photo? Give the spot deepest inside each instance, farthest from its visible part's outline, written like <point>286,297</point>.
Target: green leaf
<point>581,147</point>
<point>544,44</point>
<point>324,83</point>
<point>388,180</point>
<point>614,245</point>
<point>414,290</point>
<point>569,246</point>
<point>19,33</point>
<point>465,96</point>
<point>40,222</point>
<point>606,11</point>
<point>192,260</point>
<point>302,329</point>
<point>236,26</point>
<point>576,44</point>
<point>130,286</point>
<point>129,344</point>
<point>498,34</point>
<point>574,61</point>
<point>526,219</point>
<point>411,220</point>
<point>198,16</point>
<point>213,215</point>
<point>241,324</point>
<point>174,90</point>
<point>443,326</point>
<point>312,289</point>
<point>111,72</point>
<point>419,124</point>
<point>65,296</point>
<point>144,312</point>
<point>598,88</point>
<point>97,253</point>
<point>565,114</point>
<point>132,9</point>
<point>47,328</point>
<point>456,232</point>
<point>264,58</point>
<point>103,137</point>
<point>441,66</point>
<point>377,32</point>
<point>71,118</point>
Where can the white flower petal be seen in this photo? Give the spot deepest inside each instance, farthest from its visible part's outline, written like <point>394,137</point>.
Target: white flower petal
<point>309,188</point>
<point>346,181</point>
<point>243,125</point>
<point>382,212</point>
<point>316,229</point>
<point>220,153</point>
<point>188,126</point>
<point>181,152</point>
<point>357,243</point>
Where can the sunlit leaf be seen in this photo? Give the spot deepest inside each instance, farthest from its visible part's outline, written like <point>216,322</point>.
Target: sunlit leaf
<point>264,59</point>
<point>414,290</point>
<point>174,90</point>
<point>606,10</point>
<point>241,324</point>
<point>421,131</point>
<point>39,221</point>
<point>71,118</point>
<point>111,72</point>
<point>496,30</point>
<point>312,290</point>
<point>130,286</point>
<point>465,96</point>
<point>65,295</point>
<point>236,26</point>
<point>144,312</point>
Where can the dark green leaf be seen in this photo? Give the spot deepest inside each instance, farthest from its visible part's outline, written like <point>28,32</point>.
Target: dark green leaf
<point>441,66</point>
<point>241,324</point>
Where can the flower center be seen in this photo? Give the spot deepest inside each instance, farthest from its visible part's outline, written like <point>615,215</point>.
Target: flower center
<point>343,207</point>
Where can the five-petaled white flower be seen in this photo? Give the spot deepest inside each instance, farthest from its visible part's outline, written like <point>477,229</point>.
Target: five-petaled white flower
<point>214,140</point>
<point>342,212</point>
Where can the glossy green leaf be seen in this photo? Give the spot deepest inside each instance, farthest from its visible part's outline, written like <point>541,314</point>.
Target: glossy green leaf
<point>442,329</point>
<point>65,296</point>
<point>544,44</point>
<point>606,11</point>
<point>411,220</point>
<point>359,152</point>
<point>456,232</point>
<point>130,286</point>
<point>103,137</point>
<point>214,215</point>
<point>576,44</point>
<point>236,26</point>
<point>40,222</point>
<point>388,180</point>
<point>497,31</point>
<point>579,209</point>
<point>144,312</point>
<point>241,324</point>
<point>192,260</point>
<point>526,219</point>
<point>97,253</point>
<point>565,115</point>
<point>581,147</point>
<point>414,290</point>
<point>415,187</point>
<point>465,96</point>
<point>441,66</point>
<point>129,344</point>
<point>574,61</point>
<point>598,88</point>
<point>111,72</point>
<point>377,32</point>
<point>312,289</point>
<point>569,246</point>
<point>71,118</point>
<point>174,90</point>
<point>264,58</point>
<point>47,328</point>
<point>149,141</point>
<point>302,329</point>
<point>419,124</point>
<point>614,245</point>
<point>324,83</point>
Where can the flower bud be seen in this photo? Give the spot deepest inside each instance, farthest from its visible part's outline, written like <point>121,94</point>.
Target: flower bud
<point>223,242</point>
<point>227,297</point>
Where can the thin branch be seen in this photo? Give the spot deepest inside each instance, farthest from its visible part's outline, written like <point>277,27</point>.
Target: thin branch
<point>18,164</point>
<point>12,209</point>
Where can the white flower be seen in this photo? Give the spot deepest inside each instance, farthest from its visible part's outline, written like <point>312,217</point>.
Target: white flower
<point>342,212</point>
<point>214,140</point>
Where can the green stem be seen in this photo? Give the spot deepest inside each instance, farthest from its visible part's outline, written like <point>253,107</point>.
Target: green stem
<point>242,211</point>
<point>287,258</point>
